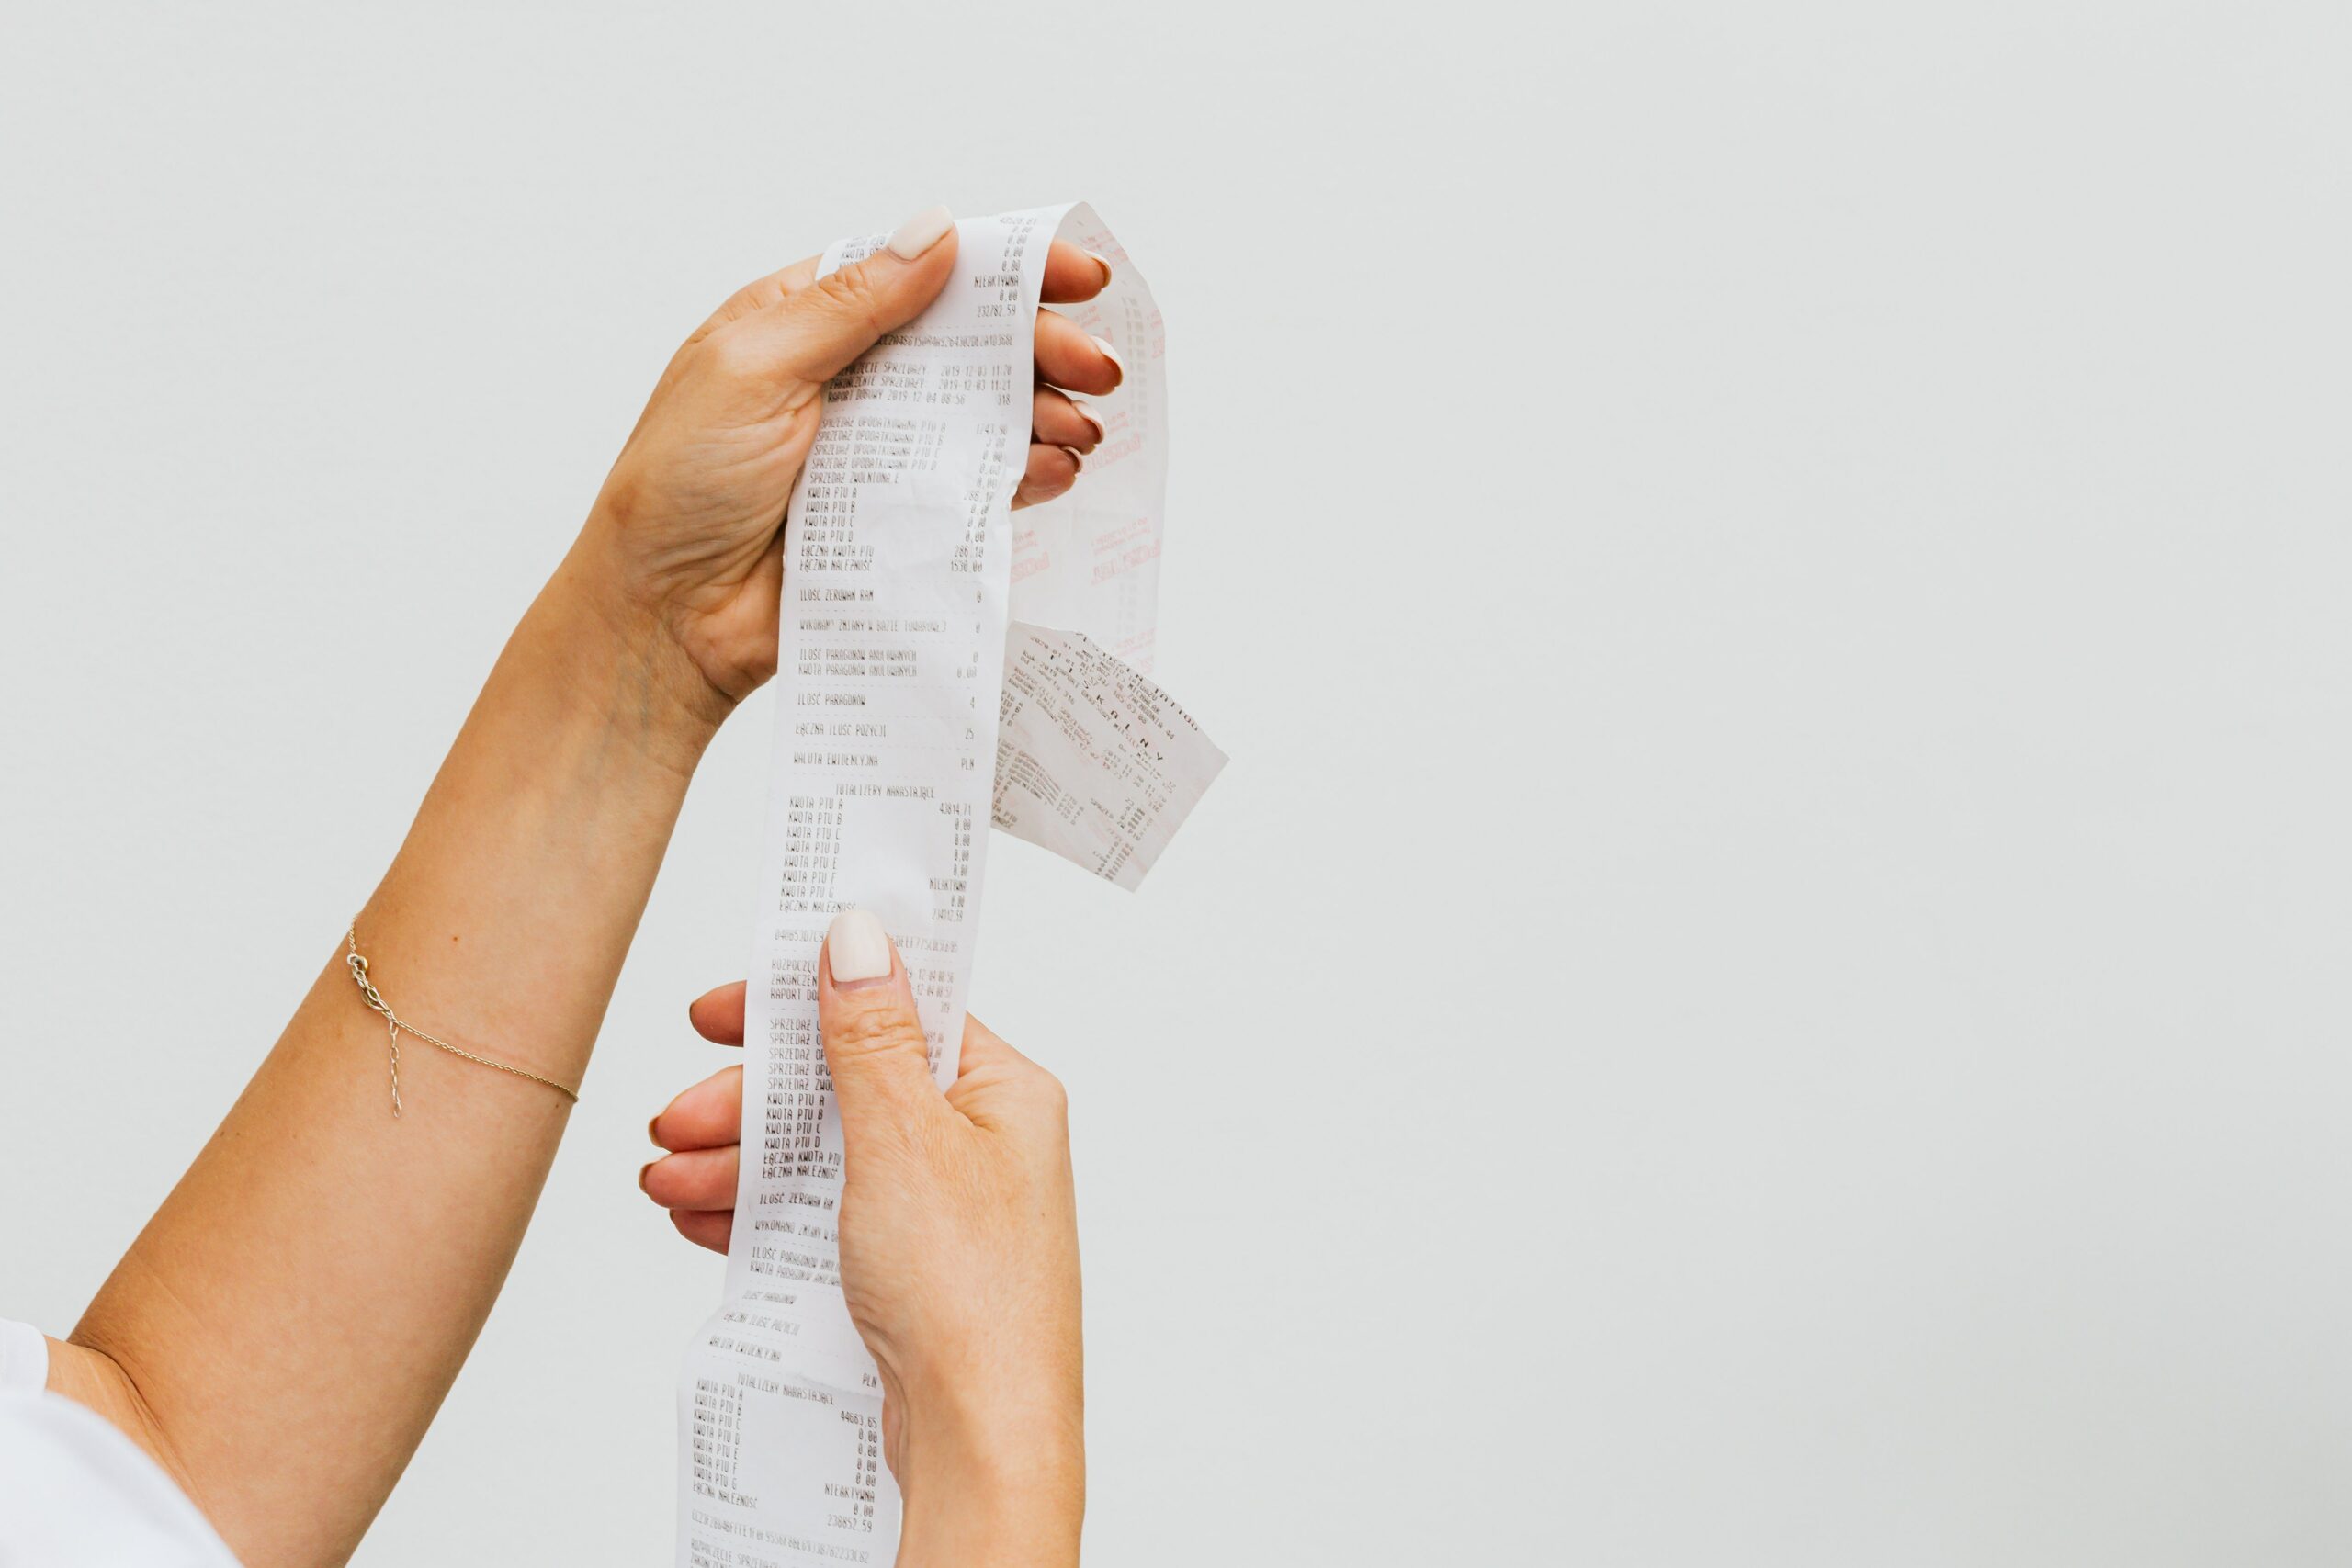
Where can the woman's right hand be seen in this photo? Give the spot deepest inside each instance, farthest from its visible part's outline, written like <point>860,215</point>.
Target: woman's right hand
<point>959,1252</point>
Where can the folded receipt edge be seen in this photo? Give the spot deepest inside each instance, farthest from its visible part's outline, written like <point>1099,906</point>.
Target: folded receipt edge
<point>942,667</point>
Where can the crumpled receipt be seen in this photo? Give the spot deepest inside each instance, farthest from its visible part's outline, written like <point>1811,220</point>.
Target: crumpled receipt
<point>945,665</point>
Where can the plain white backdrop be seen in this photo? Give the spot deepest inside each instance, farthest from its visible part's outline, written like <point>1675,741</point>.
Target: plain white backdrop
<point>1767,981</point>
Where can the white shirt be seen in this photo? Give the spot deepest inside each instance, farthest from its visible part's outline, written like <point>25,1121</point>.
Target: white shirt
<point>74,1493</point>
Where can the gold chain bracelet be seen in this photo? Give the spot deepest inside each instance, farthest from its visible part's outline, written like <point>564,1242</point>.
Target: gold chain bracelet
<point>394,1023</point>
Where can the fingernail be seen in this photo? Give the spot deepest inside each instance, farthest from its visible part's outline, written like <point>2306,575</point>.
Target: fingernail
<point>654,1136</point>
<point>646,1171</point>
<point>1077,459</point>
<point>1104,262</point>
<point>1112,356</point>
<point>921,231</point>
<point>857,947</point>
<point>1087,414</point>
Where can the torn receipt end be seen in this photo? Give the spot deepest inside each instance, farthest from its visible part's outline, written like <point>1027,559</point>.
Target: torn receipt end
<point>1092,761</point>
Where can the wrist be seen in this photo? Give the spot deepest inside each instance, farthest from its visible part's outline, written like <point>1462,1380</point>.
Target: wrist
<point>618,654</point>
<point>990,1480</point>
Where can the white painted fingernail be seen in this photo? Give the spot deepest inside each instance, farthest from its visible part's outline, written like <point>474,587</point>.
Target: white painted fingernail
<point>921,231</point>
<point>1105,262</point>
<point>856,946</point>
<point>1100,429</point>
<point>1077,459</point>
<point>1112,356</point>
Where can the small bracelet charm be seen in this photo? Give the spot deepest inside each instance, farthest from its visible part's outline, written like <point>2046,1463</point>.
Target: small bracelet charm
<point>394,1024</point>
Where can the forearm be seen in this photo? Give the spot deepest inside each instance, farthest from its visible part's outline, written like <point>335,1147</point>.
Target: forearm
<point>295,1313</point>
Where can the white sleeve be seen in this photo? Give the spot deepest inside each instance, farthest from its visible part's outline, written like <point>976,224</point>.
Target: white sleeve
<point>24,1357</point>
<point>74,1493</point>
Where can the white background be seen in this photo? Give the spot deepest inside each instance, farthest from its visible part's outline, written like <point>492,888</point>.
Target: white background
<point>1767,984</point>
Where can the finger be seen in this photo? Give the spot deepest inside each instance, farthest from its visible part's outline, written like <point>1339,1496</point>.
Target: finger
<point>811,336</point>
<point>1051,472</point>
<point>759,295</point>
<point>985,1050</point>
<point>700,1179</point>
<point>1068,357</point>
<point>998,1087</point>
<point>718,1014</point>
<point>1073,275</point>
<point>708,1116</point>
<point>704,1228</point>
<point>1055,420</point>
<point>874,1040</point>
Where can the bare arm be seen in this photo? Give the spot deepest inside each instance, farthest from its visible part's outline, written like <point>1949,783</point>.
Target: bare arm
<point>287,1324</point>
<point>281,1334</point>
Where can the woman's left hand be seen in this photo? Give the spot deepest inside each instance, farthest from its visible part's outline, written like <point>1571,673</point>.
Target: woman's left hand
<point>688,529</point>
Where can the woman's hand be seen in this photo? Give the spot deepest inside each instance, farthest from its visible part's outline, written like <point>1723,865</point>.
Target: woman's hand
<point>688,529</point>
<point>959,1251</point>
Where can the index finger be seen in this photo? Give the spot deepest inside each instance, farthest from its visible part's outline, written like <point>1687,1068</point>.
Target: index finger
<point>1072,274</point>
<point>761,293</point>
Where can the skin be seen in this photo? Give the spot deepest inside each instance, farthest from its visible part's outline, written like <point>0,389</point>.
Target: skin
<point>959,1257</point>
<point>281,1333</point>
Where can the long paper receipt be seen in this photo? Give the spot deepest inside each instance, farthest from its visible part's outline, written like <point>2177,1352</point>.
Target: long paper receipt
<point>913,710</point>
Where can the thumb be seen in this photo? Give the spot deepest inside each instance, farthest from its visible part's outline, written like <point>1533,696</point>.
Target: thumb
<point>874,1040</point>
<point>813,334</point>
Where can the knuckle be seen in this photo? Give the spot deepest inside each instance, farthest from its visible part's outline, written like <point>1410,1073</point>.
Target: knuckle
<point>1051,1094</point>
<point>863,1032</point>
<point>624,496</point>
<point>736,356</point>
<point>851,291</point>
